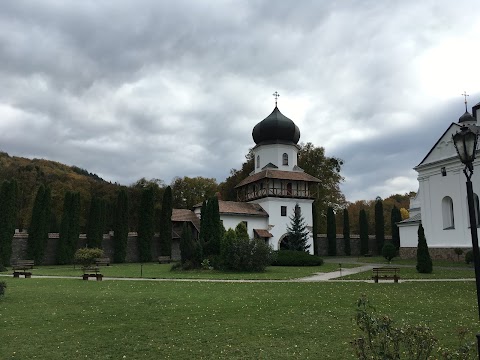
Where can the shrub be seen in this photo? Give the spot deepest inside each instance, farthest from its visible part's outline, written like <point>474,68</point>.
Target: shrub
<point>296,258</point>
<point>389,251</point>
<point>3,286</point>
<point>2,268</point>
<point>469,257</point>
<point>458,252</point>
<point>86,256</point>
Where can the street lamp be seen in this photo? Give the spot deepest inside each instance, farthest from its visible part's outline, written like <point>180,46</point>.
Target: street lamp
<point>465,142</point>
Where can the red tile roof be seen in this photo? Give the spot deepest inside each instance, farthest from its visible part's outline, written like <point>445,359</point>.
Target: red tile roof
<point>241,208</point>
<point>182,215</point>
<point>278,174</point>
<point>263,233</point>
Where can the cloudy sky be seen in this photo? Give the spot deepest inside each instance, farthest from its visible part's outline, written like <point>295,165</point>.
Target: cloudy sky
<point>158,89</point>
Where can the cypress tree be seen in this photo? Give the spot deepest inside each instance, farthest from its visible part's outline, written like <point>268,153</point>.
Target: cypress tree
<point>203,212</point>
<point>346,232</point>
<point>38,231</point>
<point>120,230</point>
<point>94,224</point>
<point>424,261</point>
<point>297,233</point>
<point>363,224</point>
<point>62,245</point>
<point>69,228</point>
<point>211,228</point>
<point>166,223</point>
<point>146,225</point>
<point>331,232</point>
<point>379,224</point>
<point>187,246</point>
<point>395,217</point>
<point>8,215</point>
<point>315,228</point>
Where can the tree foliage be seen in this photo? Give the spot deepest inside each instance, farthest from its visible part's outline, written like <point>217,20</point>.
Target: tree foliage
<point>120,227</point>
<point>8,213</point>
<point>69,228</point>
<point>38,231</point>
<point>331,232</point>
<point>146,228</point>
<point>165,238</point>
<point>212,228</point>
<point>96,222</point>
<point>394,219</point>
<point>346,233</point>
<point>379,224</point>
<point>297,233</point>
<point>187,192</point>
<point>364,248</point>
<point>424,261</point>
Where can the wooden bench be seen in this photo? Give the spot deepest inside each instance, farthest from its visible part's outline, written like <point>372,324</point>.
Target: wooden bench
<point>102,261</point>
<point>20,268</point>
<point>386,273</point>
<point>164,259</point>
<point>91,271</point>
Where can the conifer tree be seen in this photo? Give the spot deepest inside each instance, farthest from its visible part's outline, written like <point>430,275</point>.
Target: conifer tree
<point>38,231</point>
<point>315,228</point>
<point>379,224</point>
<point>395,217</point>
<point>96,223</point>
<point>346,233</point>
<point>203,212</point>
<point>212,228</point>
<point>8,214</point>
<point>187,246</point>
<point>166,223</point>
<point>331,232</point>
<point>120,230</point>
<point>297,233</point>
<point>69,228</point>
<point>146,225</point>
<point>424,261</point>
<point>363,224</point>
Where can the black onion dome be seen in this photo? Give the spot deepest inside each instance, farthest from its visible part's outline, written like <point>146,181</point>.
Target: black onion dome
<point>466,117</point>
<point>276,128</point>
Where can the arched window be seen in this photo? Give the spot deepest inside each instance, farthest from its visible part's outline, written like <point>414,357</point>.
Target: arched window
<point>258,161</point>
<point>476,205</point>
<point>285,159</point>
<point>447,213</point>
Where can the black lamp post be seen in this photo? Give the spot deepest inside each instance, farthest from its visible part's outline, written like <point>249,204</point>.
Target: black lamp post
<point>465,142</point>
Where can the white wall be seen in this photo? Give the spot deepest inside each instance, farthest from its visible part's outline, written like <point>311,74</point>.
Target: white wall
<point>409,235</point>
<point>253,222</point>
<point>273,153</point>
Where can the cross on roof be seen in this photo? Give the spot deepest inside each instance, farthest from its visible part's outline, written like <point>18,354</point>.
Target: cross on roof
<point>276,95</point>
<point>465,96</point>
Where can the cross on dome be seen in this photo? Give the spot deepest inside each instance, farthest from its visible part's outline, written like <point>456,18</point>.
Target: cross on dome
<point>276,95</point>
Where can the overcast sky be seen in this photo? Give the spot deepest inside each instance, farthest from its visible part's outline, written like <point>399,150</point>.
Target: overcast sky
<point>158,89</point>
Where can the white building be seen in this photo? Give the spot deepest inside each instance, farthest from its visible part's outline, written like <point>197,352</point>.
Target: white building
<point>441,201</point>
<point>267,197</point>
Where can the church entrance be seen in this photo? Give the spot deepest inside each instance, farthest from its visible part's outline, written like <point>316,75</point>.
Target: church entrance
<point>283,242</point>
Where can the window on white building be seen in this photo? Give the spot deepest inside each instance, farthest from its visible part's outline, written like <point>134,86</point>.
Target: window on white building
<point>285,159</point>
<point>258,161</point>
<point>447,213</point>
<point>283,211</point>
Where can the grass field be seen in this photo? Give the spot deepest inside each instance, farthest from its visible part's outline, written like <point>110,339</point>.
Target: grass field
<point>162,271</point>
<point>75,319</point>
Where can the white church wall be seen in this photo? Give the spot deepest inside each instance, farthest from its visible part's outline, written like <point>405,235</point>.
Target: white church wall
<point>278,223</point>
<point>408,235</point>
<point>231,222</point>
<point>273,153</point>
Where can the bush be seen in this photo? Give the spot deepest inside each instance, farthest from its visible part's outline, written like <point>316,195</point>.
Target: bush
<point>469,257</point>
<point>389,251</point>
<point>3,286</point>
<point>3,268</point>
<point>86,256</point>
<point>296,258</point>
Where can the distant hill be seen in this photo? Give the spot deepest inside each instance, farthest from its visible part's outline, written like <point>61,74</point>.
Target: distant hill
<point>30,173</point>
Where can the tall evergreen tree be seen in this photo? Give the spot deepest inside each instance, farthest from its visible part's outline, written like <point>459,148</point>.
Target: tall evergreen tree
<point>166,223</point>
<point>315,228</point>
<point>297,233</point>
<point>146,225</point>
<point>120,230</point>
<point>363,223</point>
<point>331,232</point>
<point>395,217</point>
<point>424,261</point>
<point>203,212</point>
<point>212,228</point>
<point>39,224</point>
<point>8,215</point>
<point>346,232</point>
<point>187,246</point>
<point>96,223</point>
<point>69,228</point>
<point>379,224</point>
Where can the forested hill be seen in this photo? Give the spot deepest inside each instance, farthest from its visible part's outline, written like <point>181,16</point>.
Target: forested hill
<point>31,173</point>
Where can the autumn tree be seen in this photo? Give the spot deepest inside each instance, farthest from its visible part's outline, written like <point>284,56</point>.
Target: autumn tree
<point>38,230</point>
<point>188,192</point>
<point>297,233</point>
<point>146,225</point>
<point>363,232</point>
<point>331,232</point>
<point>166,223</point>
<point>346,232</point>
<point>379,224</point>
<point>120,227</point>
<point>8,214</point>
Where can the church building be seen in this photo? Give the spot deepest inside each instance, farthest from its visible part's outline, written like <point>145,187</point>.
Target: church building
<point>441,201</point>
<point>266,199</point>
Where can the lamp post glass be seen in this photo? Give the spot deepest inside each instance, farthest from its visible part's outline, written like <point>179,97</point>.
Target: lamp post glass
<point>465,142</point>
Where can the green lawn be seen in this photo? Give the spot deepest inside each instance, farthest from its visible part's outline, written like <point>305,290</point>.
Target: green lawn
<point>74,319</point>
<point>411,273</point>
<point>412,262</point>
<point>162,271</point>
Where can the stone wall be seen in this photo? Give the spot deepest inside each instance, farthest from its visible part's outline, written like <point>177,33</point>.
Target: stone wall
<point>19,247</point>
<point>322,243</point>
<point>435,253</point>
